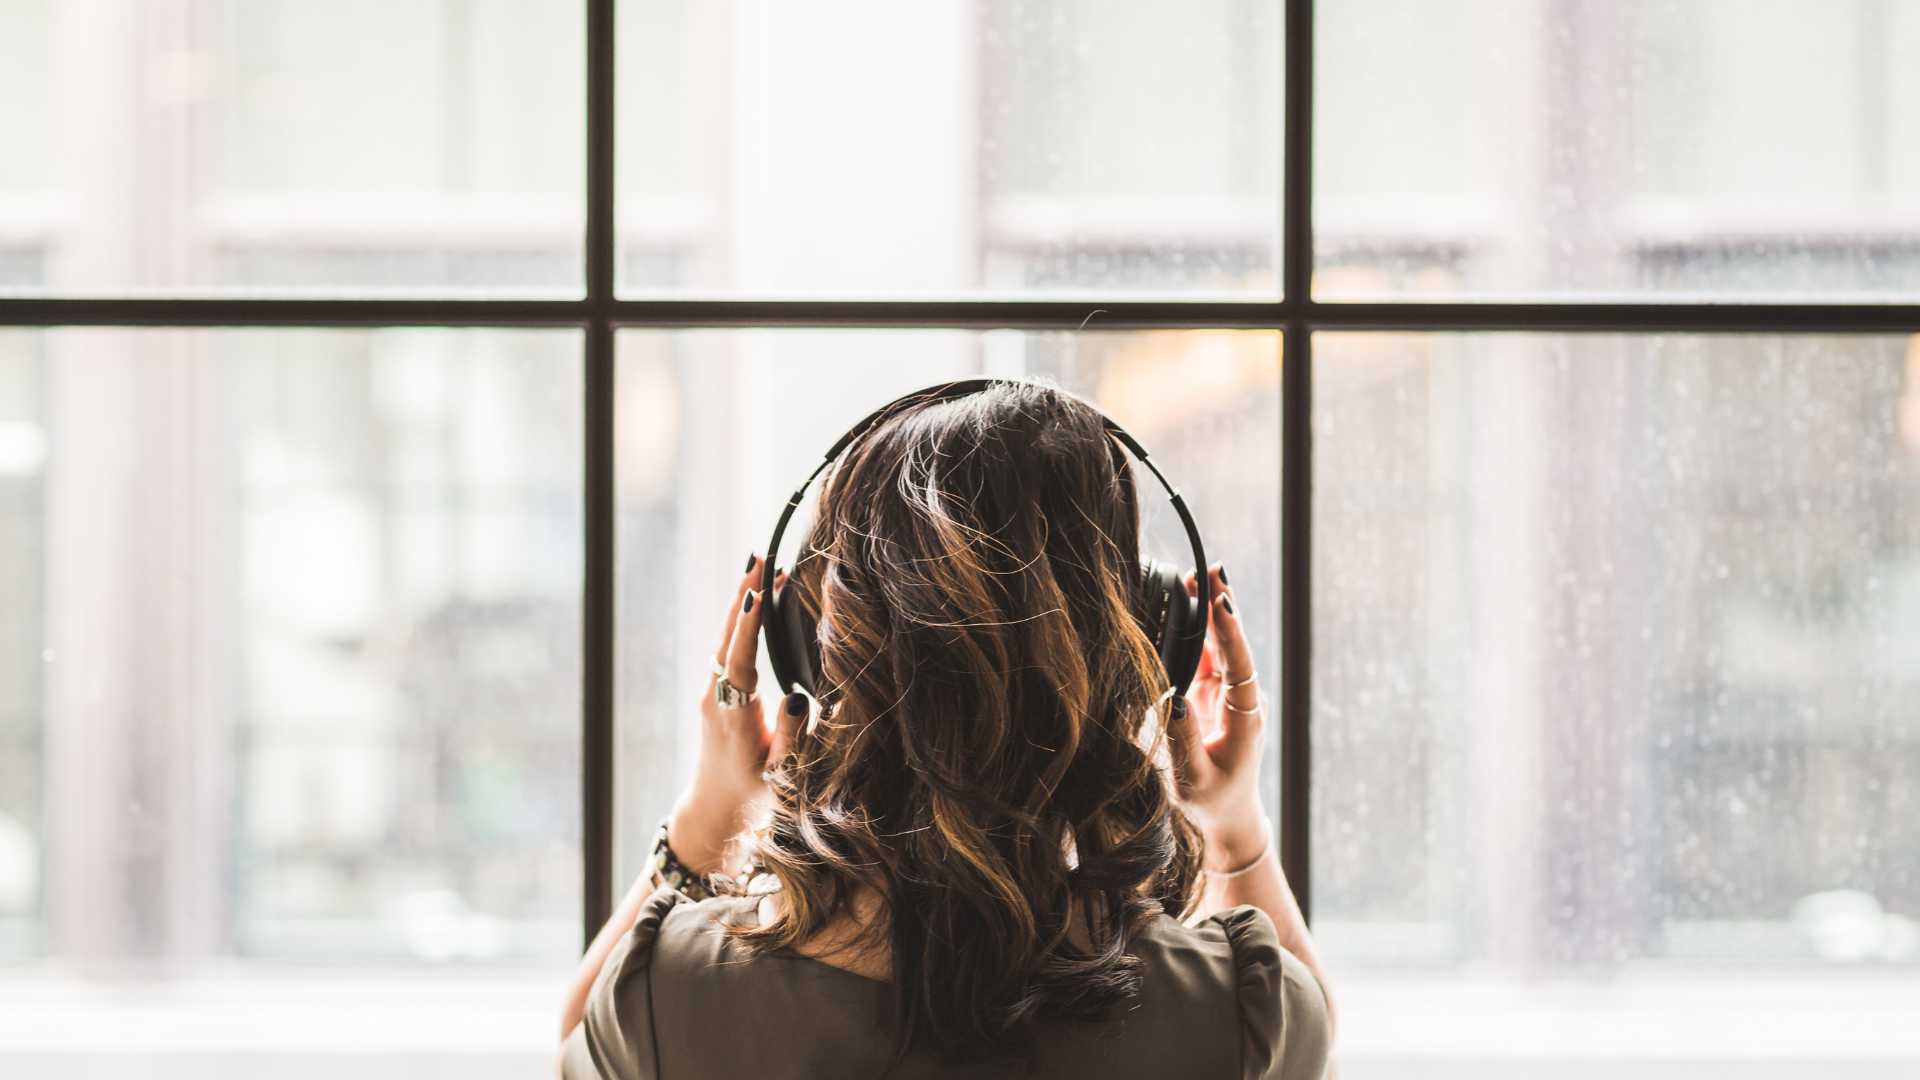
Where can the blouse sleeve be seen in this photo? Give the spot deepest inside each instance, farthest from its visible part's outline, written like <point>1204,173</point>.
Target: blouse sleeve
<point>614,1039</point>
<point>1283,1011</point>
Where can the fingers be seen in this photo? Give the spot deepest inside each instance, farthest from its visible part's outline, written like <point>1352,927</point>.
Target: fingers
<point>1184,742</point>
<point>786,728</point>
<point>1242,717</point>
<point>743,650</point>
<point>747,578</point>
<point>1229,636</point>
<point>1211,660</point>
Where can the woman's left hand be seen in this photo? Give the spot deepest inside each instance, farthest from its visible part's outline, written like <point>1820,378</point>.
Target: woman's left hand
<point>736,743</point>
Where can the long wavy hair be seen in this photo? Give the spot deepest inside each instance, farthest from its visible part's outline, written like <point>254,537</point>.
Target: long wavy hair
<point>985,759</point>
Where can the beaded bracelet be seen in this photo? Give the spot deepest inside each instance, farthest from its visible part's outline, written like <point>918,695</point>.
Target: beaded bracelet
<point>668,868</point>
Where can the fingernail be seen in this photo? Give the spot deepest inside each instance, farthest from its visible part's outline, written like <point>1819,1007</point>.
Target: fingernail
<point>1223,576</point>
<point>1226,602</point>
<point>1178,708</point>
<point>748,604</point>
<point>796,704</point>
<point>751,559</point>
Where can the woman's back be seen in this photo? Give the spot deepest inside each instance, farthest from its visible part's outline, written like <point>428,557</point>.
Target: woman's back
<point>679,997</point>
<point>1012,775</point>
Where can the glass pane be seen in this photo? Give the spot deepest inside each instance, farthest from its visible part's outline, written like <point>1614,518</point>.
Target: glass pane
<point>291,670</point>
<point>698,492</point>
<point>1616,664</point>
<point>23,451</point>
<point>1007,147</point>
<point>244,146</point>
<point>1524,148</point>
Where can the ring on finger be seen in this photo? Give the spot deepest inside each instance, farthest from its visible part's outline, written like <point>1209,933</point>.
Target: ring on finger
<point>728,696</point>
<point>1259,706</point>
<point>1248,681</point>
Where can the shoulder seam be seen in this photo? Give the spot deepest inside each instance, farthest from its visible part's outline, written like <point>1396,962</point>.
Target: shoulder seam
<point>593,1045</point>
<point>675,897</point>
<point>1239,1007</point>
<point>653,1029</point>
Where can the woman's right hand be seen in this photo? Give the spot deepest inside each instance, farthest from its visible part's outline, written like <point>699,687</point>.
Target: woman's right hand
<point>1217,750</point>
<point>1217,753</point>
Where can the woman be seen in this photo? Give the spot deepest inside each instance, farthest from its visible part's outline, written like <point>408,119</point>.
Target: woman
<point>983,854</point>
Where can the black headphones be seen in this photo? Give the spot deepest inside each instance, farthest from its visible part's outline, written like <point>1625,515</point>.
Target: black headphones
<point>1175,622</point>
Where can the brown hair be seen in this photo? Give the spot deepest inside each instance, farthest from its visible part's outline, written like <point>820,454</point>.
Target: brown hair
<point>982,761</point>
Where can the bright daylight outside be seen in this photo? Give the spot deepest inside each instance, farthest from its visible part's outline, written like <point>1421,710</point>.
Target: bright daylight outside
<point>1615,637</point>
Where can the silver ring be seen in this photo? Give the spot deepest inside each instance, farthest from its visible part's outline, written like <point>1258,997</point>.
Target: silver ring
<point>1260,706</point>
<point>1253,678</point>
<point>728,696</point>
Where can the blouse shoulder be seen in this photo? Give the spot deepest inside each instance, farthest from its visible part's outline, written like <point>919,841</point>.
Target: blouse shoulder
<point>615,1039</point>
<point>1283,1010</point>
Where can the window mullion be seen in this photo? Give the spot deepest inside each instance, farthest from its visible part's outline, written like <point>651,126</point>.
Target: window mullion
<point>597,386</point>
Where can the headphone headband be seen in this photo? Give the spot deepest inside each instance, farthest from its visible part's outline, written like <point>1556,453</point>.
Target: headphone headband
<point>1191,642</point>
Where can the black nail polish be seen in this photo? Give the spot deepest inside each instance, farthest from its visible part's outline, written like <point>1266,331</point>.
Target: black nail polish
<point>1178,708</point>
<point>796,704</point>
<point>1226,602</point>
<point>751,559</point>
<point>748,604</point>
<point>1223,575</point>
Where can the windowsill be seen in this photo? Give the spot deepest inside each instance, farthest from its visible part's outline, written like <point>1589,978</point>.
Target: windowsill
<point>287,1012</point>
<point>1762,1022</point>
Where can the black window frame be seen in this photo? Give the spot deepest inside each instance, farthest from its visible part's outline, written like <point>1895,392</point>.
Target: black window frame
<point>1295,313</point>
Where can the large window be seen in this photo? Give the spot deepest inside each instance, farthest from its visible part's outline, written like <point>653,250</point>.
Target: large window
<point>389,391</point>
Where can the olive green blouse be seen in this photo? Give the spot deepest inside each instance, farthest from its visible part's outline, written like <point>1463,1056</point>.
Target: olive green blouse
<point>679,998</point>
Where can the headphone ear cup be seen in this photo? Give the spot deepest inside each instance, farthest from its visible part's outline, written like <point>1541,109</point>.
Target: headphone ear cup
<point>1186,635</point>
<point>1172,620</point>
<point>793,643</point>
